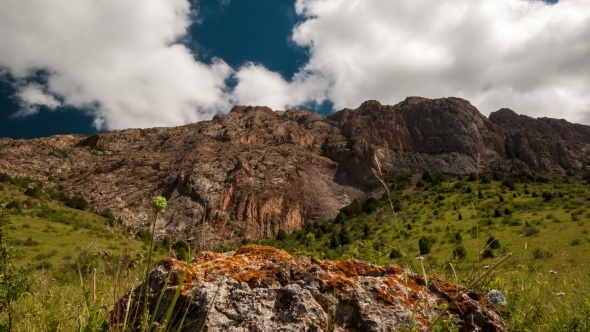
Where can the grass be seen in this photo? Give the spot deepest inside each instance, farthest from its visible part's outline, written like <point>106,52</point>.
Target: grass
<point>81,263</point>
<point>545,235</point>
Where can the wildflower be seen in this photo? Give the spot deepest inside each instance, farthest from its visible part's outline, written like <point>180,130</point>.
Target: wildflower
<point>486,267</point>
<point>552,272</point>
<point>159,204</point>
<point>419,258</point>
<point>496,297</point>
<point>560,294</point>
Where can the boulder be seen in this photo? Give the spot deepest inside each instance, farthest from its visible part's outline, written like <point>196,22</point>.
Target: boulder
<point>258,288</point>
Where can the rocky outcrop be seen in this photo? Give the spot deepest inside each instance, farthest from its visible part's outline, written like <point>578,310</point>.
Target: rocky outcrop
<point>259,288</point>
<point>253,171</point>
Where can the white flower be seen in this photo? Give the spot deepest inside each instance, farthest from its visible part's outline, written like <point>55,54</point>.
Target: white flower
<point>419,258</point>
<point>496,297</point>
<point>560,294</point>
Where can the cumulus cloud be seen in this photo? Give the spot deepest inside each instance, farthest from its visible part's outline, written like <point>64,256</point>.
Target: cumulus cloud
<point>124,61</point>
<point>31,97</point>
<point>118,60</point>
<point>527,55</point>
<point>259,86</point>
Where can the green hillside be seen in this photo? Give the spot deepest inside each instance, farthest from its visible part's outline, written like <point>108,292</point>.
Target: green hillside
<point>73,258</point>
<point>450,220</point>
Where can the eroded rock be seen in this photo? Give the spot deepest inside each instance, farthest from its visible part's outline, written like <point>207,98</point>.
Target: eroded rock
<point>258,288</point>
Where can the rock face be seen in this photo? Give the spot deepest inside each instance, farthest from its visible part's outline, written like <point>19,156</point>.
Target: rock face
<point>253,171</point>
<point>261,288</point>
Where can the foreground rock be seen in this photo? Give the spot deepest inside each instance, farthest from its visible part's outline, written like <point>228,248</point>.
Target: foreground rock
<point>261,288</point>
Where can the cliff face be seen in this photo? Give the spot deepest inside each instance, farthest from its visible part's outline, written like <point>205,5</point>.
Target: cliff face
<point>254,171</point>
<point>265,289</point>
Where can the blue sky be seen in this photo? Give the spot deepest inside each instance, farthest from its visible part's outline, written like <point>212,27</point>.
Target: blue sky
<point>83,66</point>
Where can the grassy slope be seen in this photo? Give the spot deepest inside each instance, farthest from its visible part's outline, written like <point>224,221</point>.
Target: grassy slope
<point>49,234</point>
<point>53,240</point>
<point>542,235</point>
<point>59,236</point>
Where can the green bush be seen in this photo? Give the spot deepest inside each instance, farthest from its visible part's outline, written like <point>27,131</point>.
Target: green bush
<point>459,252</point>
<point>425,244</point>
<point>281,235</point>
<point>34,192</point>
<point>547,196</point>
<point>493,243</point>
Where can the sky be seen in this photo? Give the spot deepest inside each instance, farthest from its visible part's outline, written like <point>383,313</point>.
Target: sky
<point>85,66</point>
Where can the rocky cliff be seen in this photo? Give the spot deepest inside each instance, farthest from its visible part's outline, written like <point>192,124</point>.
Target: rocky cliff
<point>265,289</point>
<point>253,171</point>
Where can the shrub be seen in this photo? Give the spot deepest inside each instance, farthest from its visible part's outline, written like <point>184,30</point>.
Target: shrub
<point>509,183</point>
<point>340,218</point>
<point>539,254</point>
<point>366,231</point>
<point>459,252</point>
<point>395,254</point>
<point>576,242</point>
<point>530,231</point>
<point>370,205</point>
<point>493,243</point>
<point>34,192</point>
<point>77,202</point>
<point>534,194</point>
<point>281,235</point>
<point>344,236</point>
<point>497,213</point>
<point>501,199</point>
<point>487,253</point>
<point>425,244</point>
<point>547,196</point>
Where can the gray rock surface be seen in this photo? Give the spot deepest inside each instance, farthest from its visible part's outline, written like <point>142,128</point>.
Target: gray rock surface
<point>253,171</point>
<point>259,288</point>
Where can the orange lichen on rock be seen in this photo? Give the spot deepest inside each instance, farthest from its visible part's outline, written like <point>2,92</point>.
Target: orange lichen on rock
<point>264,286</point>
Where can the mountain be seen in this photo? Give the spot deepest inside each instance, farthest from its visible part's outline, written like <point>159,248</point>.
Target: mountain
<point>253,171</point>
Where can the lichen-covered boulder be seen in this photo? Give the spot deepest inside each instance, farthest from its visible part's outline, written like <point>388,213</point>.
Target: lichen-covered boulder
<point>258,288</point>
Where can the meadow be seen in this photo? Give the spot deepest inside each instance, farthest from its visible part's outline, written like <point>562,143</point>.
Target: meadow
<point>462,225</point>
<point>80,262</point>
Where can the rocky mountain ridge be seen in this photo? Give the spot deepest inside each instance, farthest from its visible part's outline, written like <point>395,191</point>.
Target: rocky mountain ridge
<point>253,171</point>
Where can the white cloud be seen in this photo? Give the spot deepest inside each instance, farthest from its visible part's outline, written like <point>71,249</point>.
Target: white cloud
<point>259,86</point>
<point>121,60</point>
<point>117,59</point>
<point>31,97</point>
<point>526,55</point>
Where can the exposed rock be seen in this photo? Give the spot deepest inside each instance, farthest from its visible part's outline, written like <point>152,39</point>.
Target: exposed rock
<point>253,171</point>
<point>261,288</point>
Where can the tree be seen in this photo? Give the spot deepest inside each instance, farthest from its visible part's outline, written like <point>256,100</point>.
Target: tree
<point>366,231</point>
<point>370,205</point>
<point>344,236</point>
<point>340,218</point>
<point>424,245</point>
